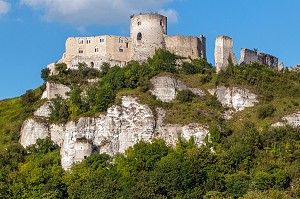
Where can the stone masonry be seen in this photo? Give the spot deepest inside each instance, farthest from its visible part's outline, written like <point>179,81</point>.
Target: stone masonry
<point>148,32</point>
<point>251,56</point>
<point>224,52</point>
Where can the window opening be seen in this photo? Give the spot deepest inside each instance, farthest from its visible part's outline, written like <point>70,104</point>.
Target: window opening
<point>139,36</point>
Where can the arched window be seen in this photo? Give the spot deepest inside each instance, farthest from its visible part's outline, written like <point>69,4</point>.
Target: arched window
<point>139,22</point>
<point>120,40</point>
<point>121,49</point>
<point>139,36</point>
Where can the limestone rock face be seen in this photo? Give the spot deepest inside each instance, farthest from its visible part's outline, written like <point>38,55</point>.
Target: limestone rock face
<point>164,88</point>
<point>236,98</point>
<point>33,129</point>
<point>44,110</point>
<point>291,120</point>
<point>111,133</point>
<point>171,132</point>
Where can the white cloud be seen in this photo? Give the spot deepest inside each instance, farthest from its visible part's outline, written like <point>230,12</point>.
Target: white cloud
<point>86,12</point>
<point>171,14</point>
<point>4,7</point>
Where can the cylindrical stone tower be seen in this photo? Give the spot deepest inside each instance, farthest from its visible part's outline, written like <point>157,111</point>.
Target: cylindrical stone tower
<point>147,32</point>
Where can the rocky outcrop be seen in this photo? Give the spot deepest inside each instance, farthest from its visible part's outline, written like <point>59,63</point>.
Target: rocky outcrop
<point>44,110</point>
<point>52,90</point>
<point>164,88</point>
<point>122,126</point>
<point>236,98</point>
<point>33,129</point>
<point>291,120</point>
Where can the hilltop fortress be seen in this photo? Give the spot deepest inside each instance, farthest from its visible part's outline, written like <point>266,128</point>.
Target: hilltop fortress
<point>148,32</point>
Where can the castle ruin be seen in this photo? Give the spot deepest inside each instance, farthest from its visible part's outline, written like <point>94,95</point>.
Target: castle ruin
<point>251,56</point>
<point>148,32</point>
<point>224,53</point>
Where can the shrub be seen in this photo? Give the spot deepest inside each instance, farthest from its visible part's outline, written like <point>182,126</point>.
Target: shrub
<point>266,111</point>
<point>185,96</point>
<point>45,74</point>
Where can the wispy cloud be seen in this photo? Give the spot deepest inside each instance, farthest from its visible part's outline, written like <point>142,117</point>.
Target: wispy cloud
<point>87,12</point>
<point>4,7</point>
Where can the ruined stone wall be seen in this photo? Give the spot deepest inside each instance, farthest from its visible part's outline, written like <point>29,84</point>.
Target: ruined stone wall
<point>147,32</point>
<point>185,46</point>
<point>250,56</point>
<point>96,50</point>
<point>268,60</point>
<point>53,89</point>
<point>224,52</point>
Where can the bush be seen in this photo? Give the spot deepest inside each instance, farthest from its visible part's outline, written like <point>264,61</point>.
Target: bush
<point>45,74</point>
<point>266,111</point>
<point>185,96</point>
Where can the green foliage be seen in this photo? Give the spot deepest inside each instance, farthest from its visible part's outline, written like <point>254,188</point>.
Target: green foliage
<point>61,68</point>
<point>163,60</point>
<point>45,74</point>
<point>71,77</point>
<point>266,111</point>
<point>251,161</point>
<point>196,66</point>
<point>59,110</point>
<point>266,80</point>
<point>29,98</point>
<point>185,96</point>
<point>237,184</point>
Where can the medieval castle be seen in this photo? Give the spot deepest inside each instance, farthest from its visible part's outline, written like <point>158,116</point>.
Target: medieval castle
<point>147,33</point>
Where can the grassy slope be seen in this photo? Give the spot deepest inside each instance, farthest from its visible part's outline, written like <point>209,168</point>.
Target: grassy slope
<point>13,113</point>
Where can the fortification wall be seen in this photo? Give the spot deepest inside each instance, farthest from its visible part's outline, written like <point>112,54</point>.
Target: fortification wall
<point>185,46</point>
<point>53,89</point>
<point>224,52</point>
<point>250,56</point>
<point>147,32</point>
<point>96,50</point>
<point>268,60</point>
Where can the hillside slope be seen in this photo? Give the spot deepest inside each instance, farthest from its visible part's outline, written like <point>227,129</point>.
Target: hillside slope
<point>243,156</point>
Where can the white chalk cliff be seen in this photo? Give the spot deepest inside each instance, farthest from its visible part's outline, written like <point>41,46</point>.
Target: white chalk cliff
<point>122,127</point>
<point>292,119</point>
<point>164,88</point>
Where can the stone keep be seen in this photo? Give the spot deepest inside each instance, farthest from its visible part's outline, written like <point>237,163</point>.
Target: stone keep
<point>224,52</point>
<point>147,32</point>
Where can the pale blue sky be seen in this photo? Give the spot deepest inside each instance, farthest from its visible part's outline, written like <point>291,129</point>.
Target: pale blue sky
<point>33,32</point>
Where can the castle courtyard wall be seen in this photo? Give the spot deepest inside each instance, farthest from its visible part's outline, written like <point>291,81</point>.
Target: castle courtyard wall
<point>185,46</point>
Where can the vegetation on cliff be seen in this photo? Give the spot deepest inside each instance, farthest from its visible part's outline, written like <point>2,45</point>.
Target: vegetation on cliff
<point>243,158</point>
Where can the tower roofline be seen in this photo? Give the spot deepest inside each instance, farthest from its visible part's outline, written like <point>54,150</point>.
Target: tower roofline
<point>135,15</point>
